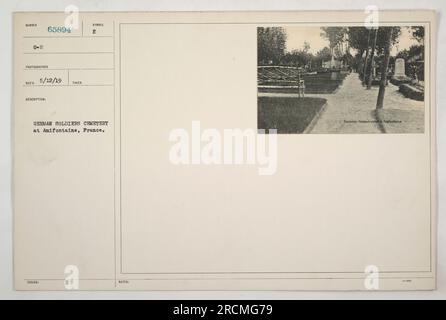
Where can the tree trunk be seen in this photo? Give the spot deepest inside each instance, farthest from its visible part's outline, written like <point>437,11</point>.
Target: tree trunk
<point>358,65</point>
<point>364,70</point>
<point>384,69</point>
<point>372,56</point>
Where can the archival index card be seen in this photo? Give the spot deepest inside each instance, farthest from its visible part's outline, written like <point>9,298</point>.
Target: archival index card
<point>224,151</point>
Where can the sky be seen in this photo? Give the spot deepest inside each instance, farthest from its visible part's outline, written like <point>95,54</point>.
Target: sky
<point>298,35</point>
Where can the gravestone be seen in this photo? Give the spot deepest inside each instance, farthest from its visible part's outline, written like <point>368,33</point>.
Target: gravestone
<point>400,67</point>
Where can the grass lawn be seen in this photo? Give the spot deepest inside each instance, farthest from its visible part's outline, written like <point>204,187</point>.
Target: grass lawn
<point>323,83</point>
<point>287,115</point>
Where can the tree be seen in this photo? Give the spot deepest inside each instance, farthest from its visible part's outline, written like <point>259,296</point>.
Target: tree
<point>357,38</point>
<point>372,56</point>
<point>382,38</point>
<point>418,34</point>
<point>297,58</point>
<point>334,35</point>
<point>271,43</point>
<point>322,55</point>
<point>364,72</point>
<point>388,35</point>
<point>347,58</point>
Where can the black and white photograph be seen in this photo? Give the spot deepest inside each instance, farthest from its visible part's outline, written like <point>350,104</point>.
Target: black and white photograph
<point>332,79</point>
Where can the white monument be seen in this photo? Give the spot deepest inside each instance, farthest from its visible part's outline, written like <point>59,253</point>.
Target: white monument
<point>400,67</point>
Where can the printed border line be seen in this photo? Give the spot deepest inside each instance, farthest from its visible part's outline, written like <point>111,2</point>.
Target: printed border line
<point>114,152</point>
<point>246,278</point>
<point>399,23</point>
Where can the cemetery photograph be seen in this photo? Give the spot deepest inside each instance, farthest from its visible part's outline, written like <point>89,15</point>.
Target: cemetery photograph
<point>341,79</point>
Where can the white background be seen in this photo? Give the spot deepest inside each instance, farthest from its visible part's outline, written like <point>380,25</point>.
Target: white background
<point>7,7</point>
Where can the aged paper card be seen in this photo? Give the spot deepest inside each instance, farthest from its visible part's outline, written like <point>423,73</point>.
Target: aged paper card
<point>224,151</point>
